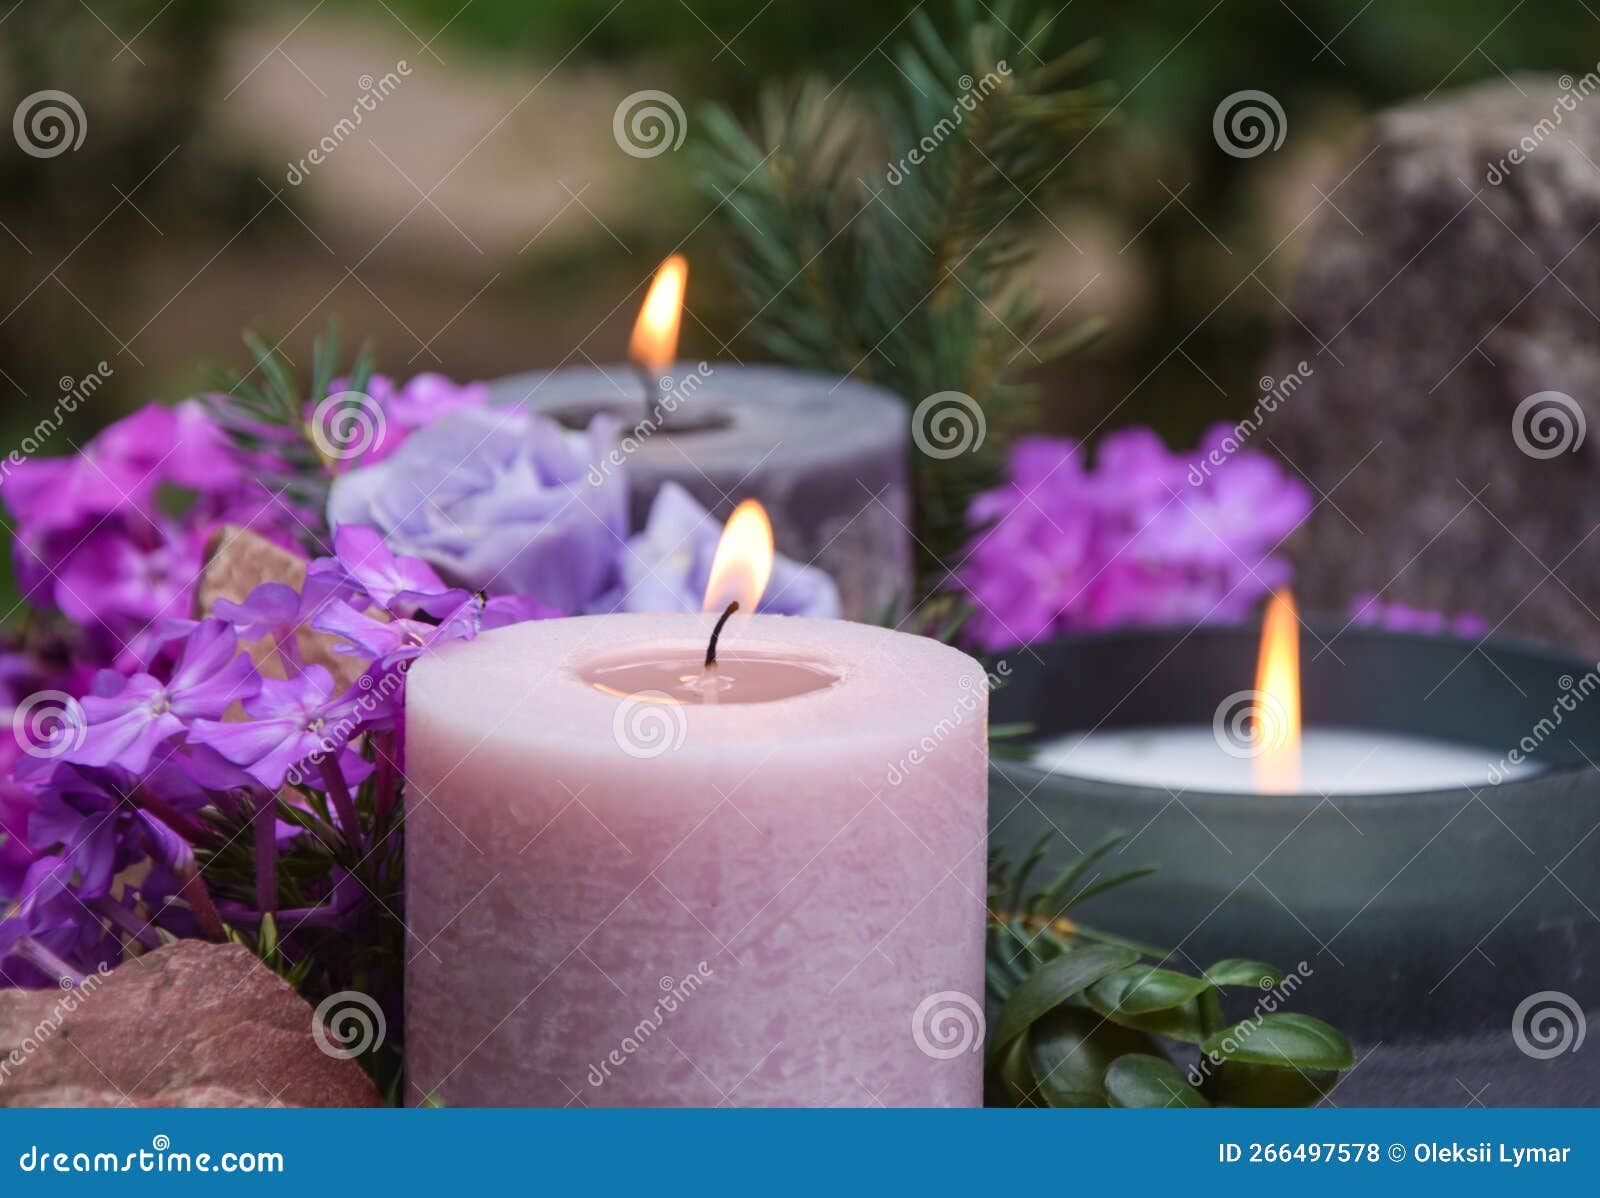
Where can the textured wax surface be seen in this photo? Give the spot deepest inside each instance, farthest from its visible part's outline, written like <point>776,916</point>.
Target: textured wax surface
<point>749,908</point>
<point>826,457</point>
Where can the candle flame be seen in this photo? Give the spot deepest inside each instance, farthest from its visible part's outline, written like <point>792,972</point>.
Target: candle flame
<point>654,344</point>
<point>743,563</point>
<point>1276,734</point>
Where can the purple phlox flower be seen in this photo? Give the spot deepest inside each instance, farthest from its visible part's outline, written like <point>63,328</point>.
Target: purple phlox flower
<point>666,566</point>
<point>499,500</point>
<point>1145,536</point>
<point>270,610</point>
<point>391,641</point>
<point>123,580</point>
<point>504,610</point>
<point>406,408</point>
<point>291,720</point>
<point>127,727</point>
<point>48,915</point>
<point>399,584</point>
<point>1371,611</point>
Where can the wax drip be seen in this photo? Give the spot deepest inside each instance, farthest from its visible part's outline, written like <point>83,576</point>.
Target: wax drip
<point>711,649</point>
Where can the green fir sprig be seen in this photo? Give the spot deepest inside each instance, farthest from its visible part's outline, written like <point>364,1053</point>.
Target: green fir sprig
<point>275,421</point>
<point>910,271</point>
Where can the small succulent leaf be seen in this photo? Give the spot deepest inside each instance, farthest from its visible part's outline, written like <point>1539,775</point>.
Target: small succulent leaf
<point>1053,983</point>
<point>1137,1080</point>
<point>1285,1040</point>
<point>1235,1083</point>
<point>1070,1050</point>
<point>1238,971</point>
<point>1141,989</point>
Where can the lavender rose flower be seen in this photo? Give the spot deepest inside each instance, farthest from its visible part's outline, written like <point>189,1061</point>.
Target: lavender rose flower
<point>668,565</point>
<point>498,500</point>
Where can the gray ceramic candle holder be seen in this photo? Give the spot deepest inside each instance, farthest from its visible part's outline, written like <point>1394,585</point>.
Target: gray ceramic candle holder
<point>827,457</point>
<point>1420,914</point>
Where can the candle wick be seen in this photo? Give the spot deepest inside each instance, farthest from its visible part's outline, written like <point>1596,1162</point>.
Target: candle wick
<point>711,649</point>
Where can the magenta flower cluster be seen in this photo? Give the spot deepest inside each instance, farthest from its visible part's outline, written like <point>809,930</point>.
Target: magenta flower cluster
<point>1141,535</point>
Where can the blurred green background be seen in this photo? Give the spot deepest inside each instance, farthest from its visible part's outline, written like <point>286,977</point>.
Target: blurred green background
<point>483,218</point>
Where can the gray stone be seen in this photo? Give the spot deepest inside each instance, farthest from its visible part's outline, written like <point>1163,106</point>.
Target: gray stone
<point>1451,284</point>
<point>192,1025</point>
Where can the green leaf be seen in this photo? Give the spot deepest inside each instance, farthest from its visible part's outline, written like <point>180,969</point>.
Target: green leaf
<point>1069,1052</point>
<point>1141,989</point>
<point>1238,971</point>
<point>1012,1079</point>
<point>1137,1080</point>
<point>1185,1022</point>
<point>1301,1041</point>
<point>1237,1084</point>
<point>1051,984</point>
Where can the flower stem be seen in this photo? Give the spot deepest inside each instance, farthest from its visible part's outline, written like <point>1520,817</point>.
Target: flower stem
<point>42,959</point>
<point>343,804</point>
<point>194,890</point>
<point>265,823</point>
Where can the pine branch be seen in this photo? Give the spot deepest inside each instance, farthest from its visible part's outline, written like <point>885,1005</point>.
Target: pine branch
<point>270,422</point>
<point>911,274</point>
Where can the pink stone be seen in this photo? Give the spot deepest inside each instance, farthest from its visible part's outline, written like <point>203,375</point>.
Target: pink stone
<point>194,1024</point>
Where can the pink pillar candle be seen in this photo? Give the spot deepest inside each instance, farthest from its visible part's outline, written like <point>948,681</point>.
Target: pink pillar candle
<point>633,883</point>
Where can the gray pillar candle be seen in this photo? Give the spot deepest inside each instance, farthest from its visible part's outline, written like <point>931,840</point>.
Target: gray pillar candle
<point>1422,912</point>
<point>827,457</point>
